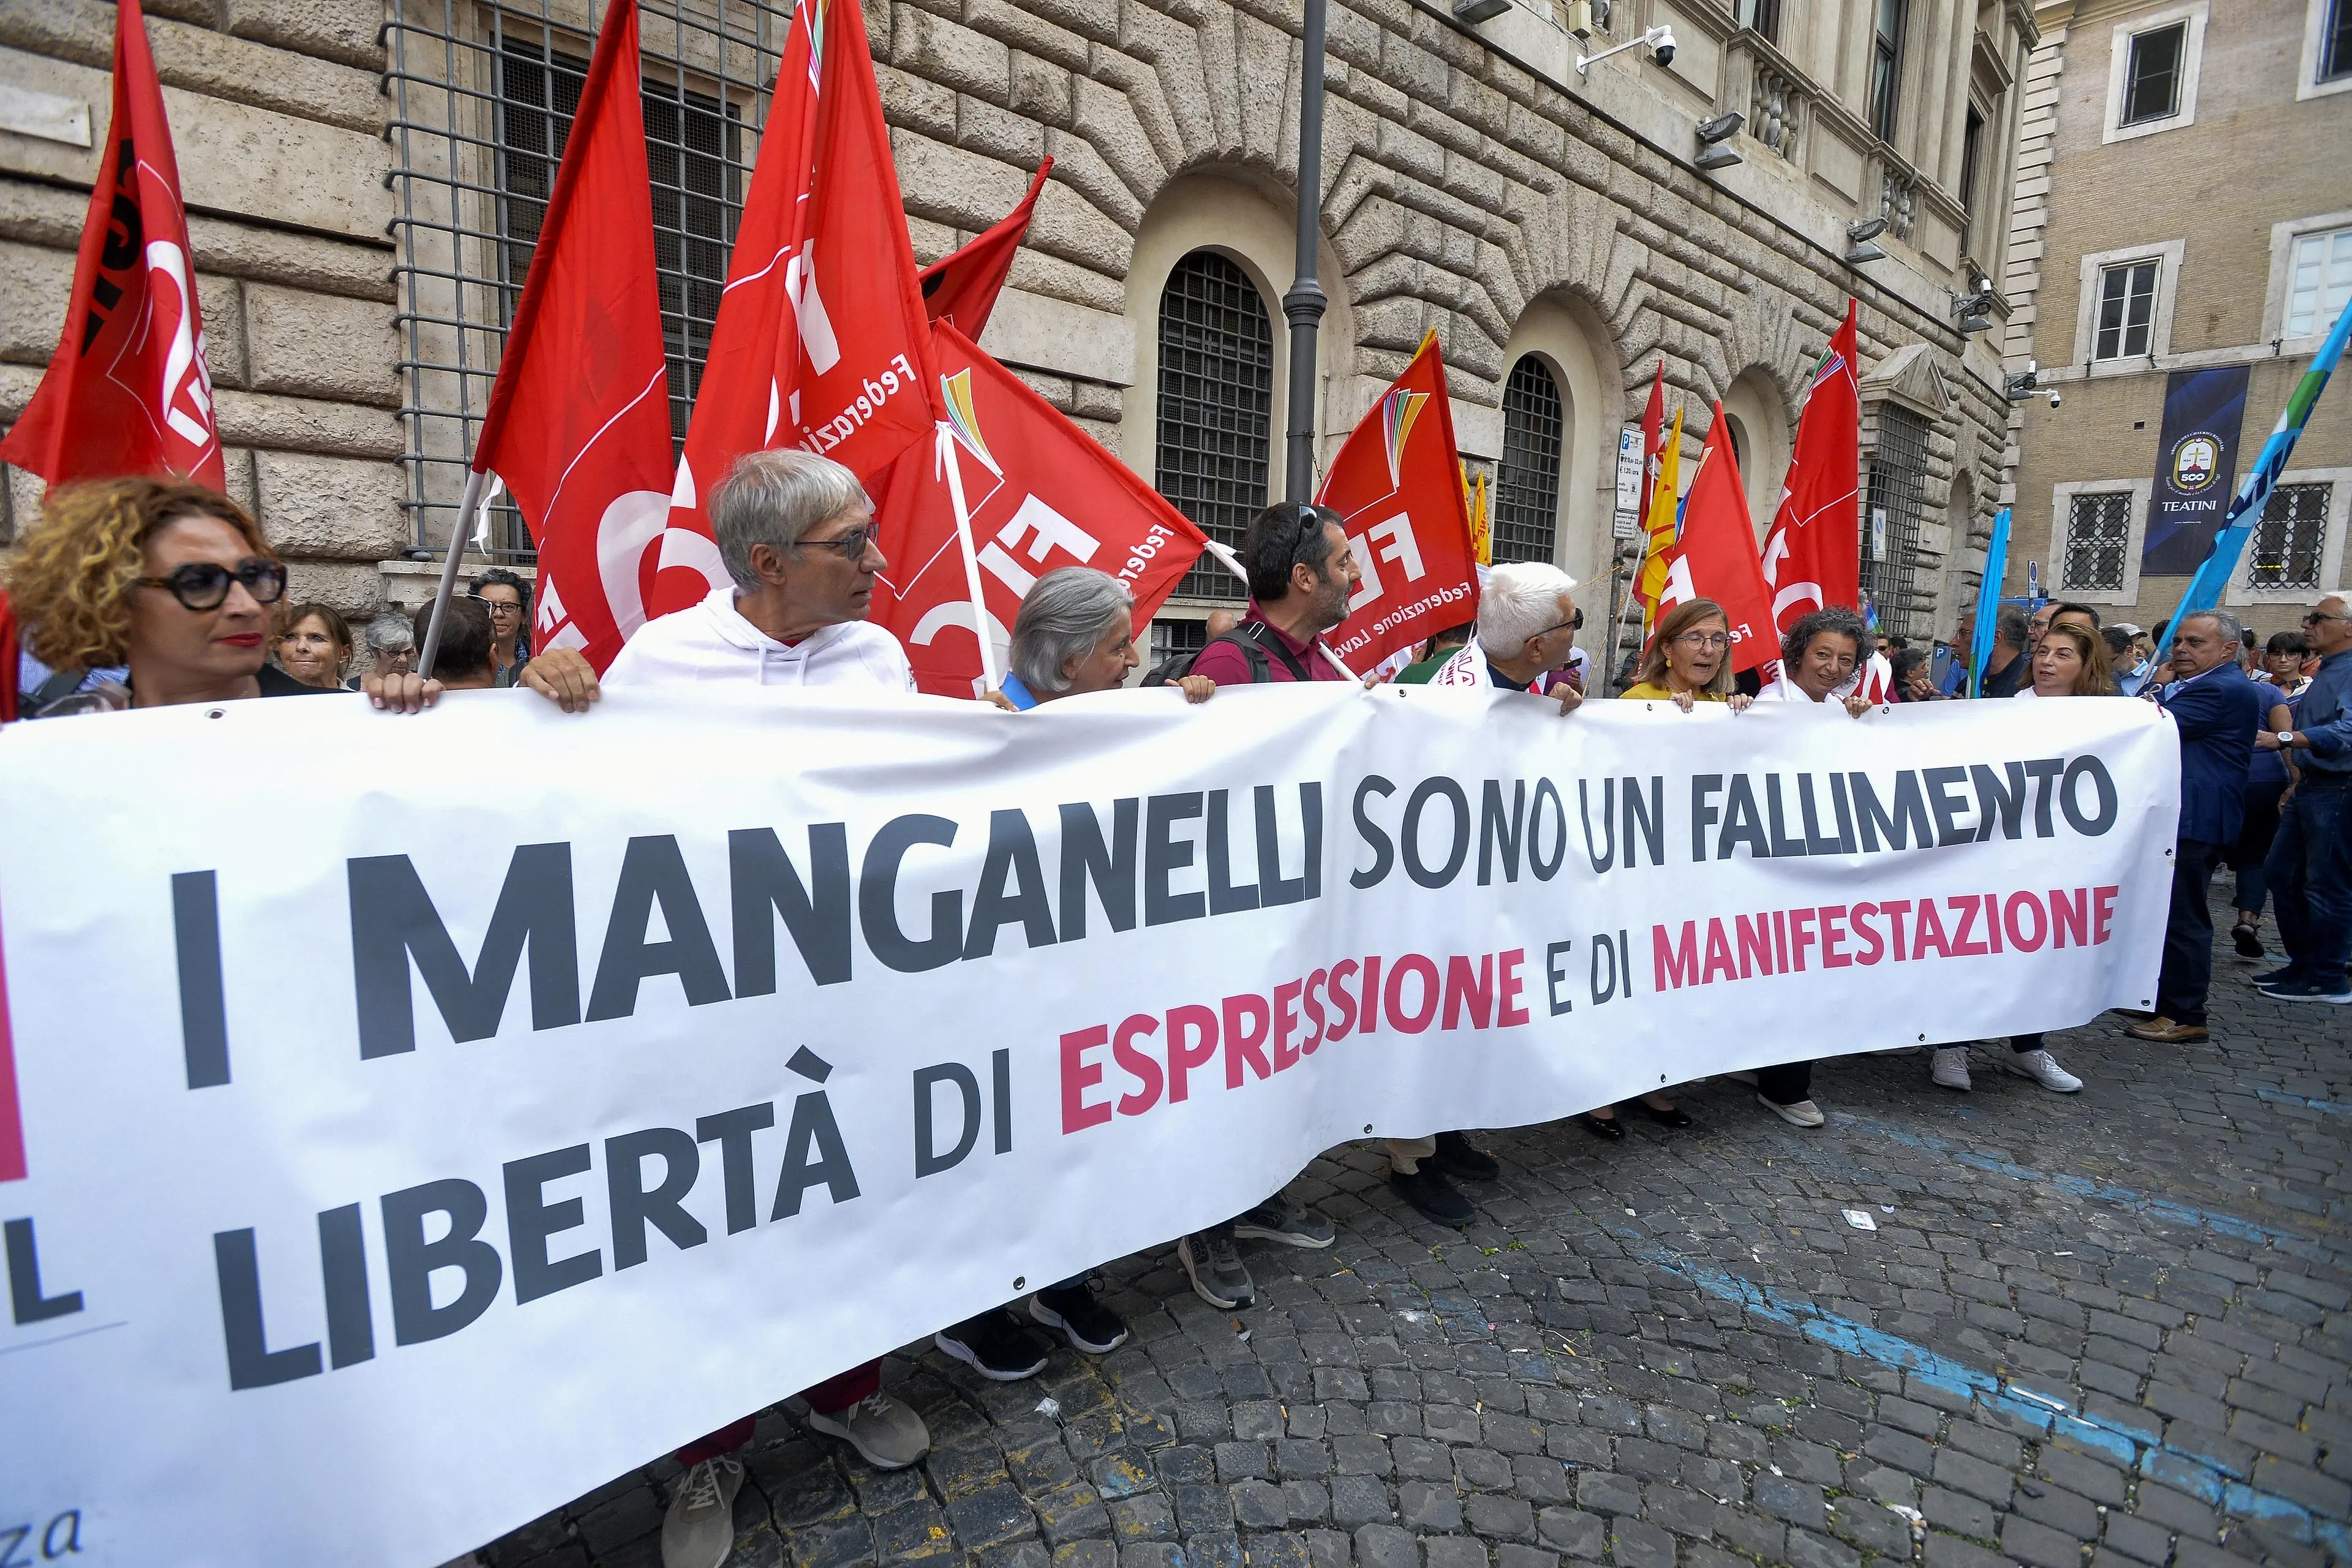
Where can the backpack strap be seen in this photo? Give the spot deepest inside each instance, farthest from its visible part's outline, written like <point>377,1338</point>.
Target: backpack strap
<point>1259,640</point>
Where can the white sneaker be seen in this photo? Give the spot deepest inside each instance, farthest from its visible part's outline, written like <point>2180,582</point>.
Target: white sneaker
<point>890,1434</point>
<point>2043,1068</point>
<point>698,1530</point>
<point>1951,1069</point>
<point>1803,1113</point>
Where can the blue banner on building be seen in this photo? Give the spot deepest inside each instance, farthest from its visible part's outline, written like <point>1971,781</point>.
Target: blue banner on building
<point>2195,461</point>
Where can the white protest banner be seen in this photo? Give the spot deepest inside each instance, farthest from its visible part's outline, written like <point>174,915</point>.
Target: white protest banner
<point>416,1122</point>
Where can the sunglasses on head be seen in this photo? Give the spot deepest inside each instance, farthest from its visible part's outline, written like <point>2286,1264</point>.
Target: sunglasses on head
<point>203,584</point>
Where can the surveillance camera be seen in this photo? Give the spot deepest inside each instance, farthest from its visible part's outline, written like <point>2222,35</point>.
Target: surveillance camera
<point>1662,44</point>
<point>2054,397</point>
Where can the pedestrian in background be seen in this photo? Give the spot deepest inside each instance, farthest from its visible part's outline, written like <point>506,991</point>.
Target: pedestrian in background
<point>507,597</point>
<point>315,646</point>
<point>2310,865</point>
<point>2006,667</point>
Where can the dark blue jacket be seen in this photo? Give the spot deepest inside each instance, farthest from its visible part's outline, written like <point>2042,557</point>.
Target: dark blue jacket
<point>2218,713</point>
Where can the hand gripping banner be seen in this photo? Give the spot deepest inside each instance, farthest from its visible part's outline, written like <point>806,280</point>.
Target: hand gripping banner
<point>388,1186</point>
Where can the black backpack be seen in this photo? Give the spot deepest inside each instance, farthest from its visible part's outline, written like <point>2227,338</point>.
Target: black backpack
<point>1258,644</point>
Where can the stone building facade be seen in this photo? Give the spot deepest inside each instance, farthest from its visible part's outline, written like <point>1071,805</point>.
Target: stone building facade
<point>364,181</point>
<point>2183,203</point>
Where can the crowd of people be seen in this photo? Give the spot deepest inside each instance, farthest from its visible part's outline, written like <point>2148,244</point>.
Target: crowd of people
<point>142,593</point>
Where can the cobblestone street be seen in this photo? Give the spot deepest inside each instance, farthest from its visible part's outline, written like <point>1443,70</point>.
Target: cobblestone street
<point>2110,1329</point>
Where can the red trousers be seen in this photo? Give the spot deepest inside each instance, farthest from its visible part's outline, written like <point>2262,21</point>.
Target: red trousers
<point>834,1394</point>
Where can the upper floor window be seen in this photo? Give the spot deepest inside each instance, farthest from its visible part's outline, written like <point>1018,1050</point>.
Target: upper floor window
<point>1526,486</point>
<point>2127,310</point>
<point>1886,67</point>
<point>2152,74</point>
<point>1216,426</point>
<point>2319,281</point>
<point>1971,170</point>
<point>1763,16</point>
<point>2334,40</point>
<point>2098,541</point>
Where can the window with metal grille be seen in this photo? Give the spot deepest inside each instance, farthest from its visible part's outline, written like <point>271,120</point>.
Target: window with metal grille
<point>1890,553</point>
<point>1886,67</point>
<point>2152,74</point>
<point>2127,311</point>
<point>483,101</point>
<point>2288,540</point>
<point>2319,281</point>
<point>1171,637</point>
<point>2098,541</point>
<point>1526,485</point>
<point>1215,407</point>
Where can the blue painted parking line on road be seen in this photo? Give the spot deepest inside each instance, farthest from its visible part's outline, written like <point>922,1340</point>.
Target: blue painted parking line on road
<point>2213,1480</point>
<point>2281,1096</point>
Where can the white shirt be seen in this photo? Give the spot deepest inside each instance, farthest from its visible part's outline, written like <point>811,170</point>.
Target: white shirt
<point>712,641</point>
<point>1787,691</point>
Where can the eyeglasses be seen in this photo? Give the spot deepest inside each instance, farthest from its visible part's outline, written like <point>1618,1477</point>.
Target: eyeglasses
<point>1705,640</point>
<point>203,584</point>
<point>2315,617</point>
<point>852,545</point>
<point>495,607</point>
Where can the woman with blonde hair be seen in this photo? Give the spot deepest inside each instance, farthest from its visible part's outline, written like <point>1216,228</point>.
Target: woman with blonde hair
<point>171,580</point>
<point>315,646</point>
<point>2071,662</point>
<point>1689,659</point>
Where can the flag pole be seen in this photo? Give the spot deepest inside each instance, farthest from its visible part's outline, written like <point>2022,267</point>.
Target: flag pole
<point>947,458</point>
<point>466,502</point>
<point>1996,568</point>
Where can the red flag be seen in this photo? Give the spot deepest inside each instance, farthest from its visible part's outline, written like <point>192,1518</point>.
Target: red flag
<point>961,288</point>
<point>821,340</point>
<point>1717,556</point>
<point>128,391</point>
<point>1653,424</point>
<point>1812,555</point>
<point>1041,494</point>
<point>1396,485</point>
<point>1657,527</point>
<point>578,424</point>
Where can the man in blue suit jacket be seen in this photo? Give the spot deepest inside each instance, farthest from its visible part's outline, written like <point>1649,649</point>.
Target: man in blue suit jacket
<point>2218,710</point>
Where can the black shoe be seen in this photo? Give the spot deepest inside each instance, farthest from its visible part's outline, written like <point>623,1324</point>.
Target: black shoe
<point>2278,977</point>
<point>1672,1116</point>
<point>1085,1322</point>
<point>1456,1157</point>
<point>1611,1129</point>
<point>2250,942</point>
<point>994,1346</point>
<point>1433,1195</point>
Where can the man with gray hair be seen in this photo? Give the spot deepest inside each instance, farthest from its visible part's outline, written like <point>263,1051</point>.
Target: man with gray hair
<point>2217,710</point>
<point>1527,627</point>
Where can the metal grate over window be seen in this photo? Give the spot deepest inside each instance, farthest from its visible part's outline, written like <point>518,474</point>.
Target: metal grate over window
<point>1526,485</point>
<point>1215,407</point>
<point>1171,637</point>
<point>1894,507</point>
<point>483,100</point>
<point>2098,539</point>
<point>2288,540</point>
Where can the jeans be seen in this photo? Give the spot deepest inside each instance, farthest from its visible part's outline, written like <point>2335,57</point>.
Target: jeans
<point>2310,871</point>
<point>2188,970</point>
<point>2250,853</point>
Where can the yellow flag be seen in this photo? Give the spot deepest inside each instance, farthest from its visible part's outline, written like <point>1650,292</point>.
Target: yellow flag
<point>1652,580</point>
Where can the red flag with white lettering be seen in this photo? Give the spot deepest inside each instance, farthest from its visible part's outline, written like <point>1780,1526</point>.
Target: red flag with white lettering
<point>961,289</point>
<point>1041,494</point>
<point>578,424</point>
<point>1715,557</point>
<point>1397,485</point>
<point>1813,555</point>
<point>821,340</point>
<point>128,391</point>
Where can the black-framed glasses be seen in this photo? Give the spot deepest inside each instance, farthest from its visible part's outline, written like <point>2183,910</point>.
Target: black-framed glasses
<point>2316,616</point>
<point>496,606</point>
<point>203,584</point>
<point>852,545</point>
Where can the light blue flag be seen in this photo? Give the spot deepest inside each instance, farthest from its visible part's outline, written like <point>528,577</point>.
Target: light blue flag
<point>1995,567</point>
<point>2246,506</point>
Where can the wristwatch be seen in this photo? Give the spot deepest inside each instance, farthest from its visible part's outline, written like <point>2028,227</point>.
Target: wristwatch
<point>2287,739</point>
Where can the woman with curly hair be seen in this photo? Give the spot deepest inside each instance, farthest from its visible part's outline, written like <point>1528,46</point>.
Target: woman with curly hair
<point>171,580</point>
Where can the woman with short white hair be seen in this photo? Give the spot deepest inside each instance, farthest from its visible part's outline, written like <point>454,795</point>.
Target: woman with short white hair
<point>1075,634</point>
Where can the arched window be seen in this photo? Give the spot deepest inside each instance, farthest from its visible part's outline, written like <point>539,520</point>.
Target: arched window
<point>1527,487</point>
<point>1215,407</point>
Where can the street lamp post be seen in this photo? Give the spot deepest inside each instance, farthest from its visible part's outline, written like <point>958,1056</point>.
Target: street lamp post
<point>1303,305</point>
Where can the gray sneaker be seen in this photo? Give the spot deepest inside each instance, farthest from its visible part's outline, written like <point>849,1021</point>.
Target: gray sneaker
<point>698,1530</point>
<point>1293,1225</point>
<point>890,1434</point>
<point>1950,1068</point>
<point>1218,1276</point>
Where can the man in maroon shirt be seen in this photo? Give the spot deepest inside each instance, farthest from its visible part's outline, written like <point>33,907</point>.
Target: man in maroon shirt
<point>1301,575</point>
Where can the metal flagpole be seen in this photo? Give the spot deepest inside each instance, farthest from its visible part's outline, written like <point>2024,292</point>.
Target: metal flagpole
<point>1304,304</point>
<point>947,458</point>
<point>465,505</point>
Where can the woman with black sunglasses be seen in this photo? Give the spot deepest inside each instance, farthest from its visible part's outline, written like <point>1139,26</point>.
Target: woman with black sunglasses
<point>170,584</point>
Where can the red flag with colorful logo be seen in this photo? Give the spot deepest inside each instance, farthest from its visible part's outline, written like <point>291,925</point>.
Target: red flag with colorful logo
<point>128,391</point>
<point>1397,485</point>
<point>961,289</point>
<point>821,341</point>
<point>1715,558</point>
<point>578,426</point>
<point>1813,555</point>
<point>1041,494</point>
